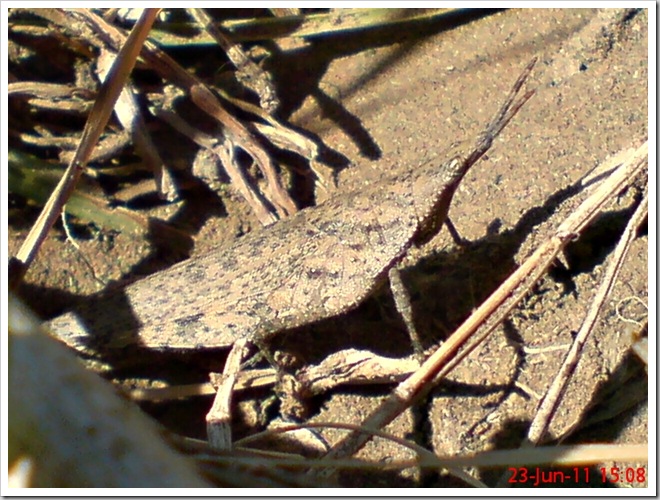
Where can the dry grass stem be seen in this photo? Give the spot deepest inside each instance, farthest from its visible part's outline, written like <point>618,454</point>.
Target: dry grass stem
<point>251,75</point>
<point>129,115</point>
<point>96,122</point>
<point>548,407</point>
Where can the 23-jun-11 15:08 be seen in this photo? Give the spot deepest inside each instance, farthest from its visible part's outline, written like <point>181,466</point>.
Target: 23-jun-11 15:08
<point>536,476</point>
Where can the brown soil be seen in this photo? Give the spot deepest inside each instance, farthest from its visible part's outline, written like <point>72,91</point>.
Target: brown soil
<point>377,104</point>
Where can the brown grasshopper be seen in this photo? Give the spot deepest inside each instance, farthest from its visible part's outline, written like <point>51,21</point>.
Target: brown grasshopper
<point>321,262</point>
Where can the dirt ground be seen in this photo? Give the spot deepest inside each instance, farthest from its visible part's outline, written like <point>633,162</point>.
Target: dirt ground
<point>378,106</point>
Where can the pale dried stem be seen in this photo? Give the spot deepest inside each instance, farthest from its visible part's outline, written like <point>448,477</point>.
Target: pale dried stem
<point>249,74</point>
<point>129,115</point>
<point>247,379</point>
<point>53,96</point>
<point>423,454</point>
<point>107,147</point>
<point>563,455</point>
<point>96,122</point>
<point>550,403</point>
<point>218,419</point>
